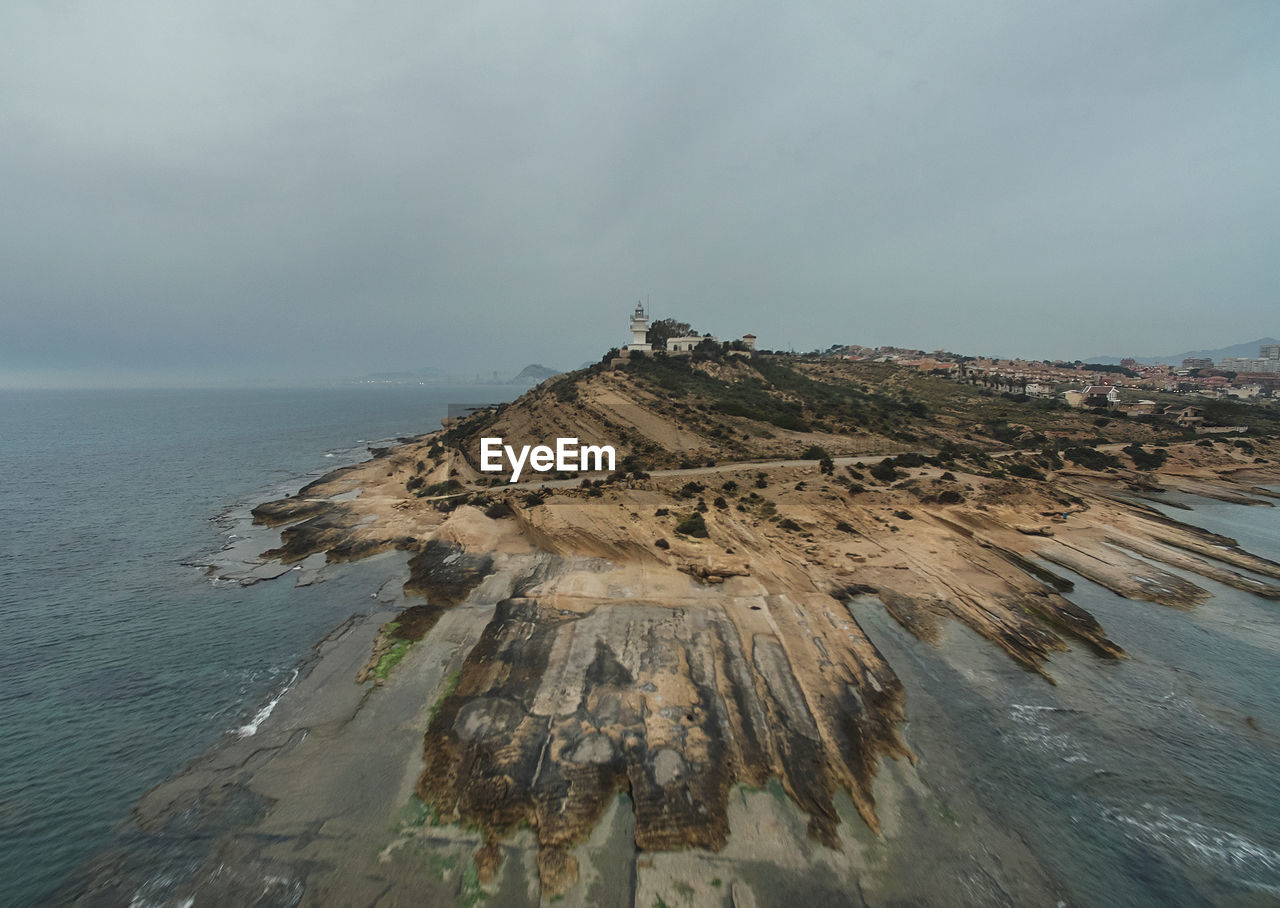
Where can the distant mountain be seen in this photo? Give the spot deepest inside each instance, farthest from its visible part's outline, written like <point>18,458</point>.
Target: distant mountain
<point>530,375</point>
<point>533,374</point>
<point>1248,350</point>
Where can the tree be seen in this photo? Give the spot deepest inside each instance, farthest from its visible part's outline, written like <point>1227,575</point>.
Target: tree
<point>664,329</point>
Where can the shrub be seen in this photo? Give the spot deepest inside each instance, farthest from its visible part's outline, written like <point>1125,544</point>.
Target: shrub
<point>498,510</point>
<point>789,421</point>
<point>815,452</point>
<point>910,459</point>
<point>662,544</point>
<point>693,525</point>
<point>1050,456</point>
<point>440,488</point>
<point>1090,459</point>
<point>1025,470</point>
<point>788,524</point>
<point>1146,460</point>
<point>884,472</point>
<point>720,502</point>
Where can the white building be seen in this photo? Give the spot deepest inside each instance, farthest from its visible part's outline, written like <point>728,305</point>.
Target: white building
<point>1248,364</point>
<point>1243,392</point>
<point>686,343</point>
<point>639,331</point>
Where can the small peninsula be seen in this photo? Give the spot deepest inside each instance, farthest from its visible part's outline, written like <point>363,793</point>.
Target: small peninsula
<point>685,631</point>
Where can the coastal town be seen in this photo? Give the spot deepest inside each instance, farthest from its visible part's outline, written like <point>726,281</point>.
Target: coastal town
<point>1160,392</point>
<point>1122,387</point>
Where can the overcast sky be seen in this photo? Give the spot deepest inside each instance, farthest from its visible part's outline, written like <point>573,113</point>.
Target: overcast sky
<point>198,191</point>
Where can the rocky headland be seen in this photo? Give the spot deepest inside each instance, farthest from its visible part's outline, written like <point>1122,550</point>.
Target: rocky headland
<point>685,630</point>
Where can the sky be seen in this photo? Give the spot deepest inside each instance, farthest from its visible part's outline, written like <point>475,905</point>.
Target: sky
<point>205,192</point>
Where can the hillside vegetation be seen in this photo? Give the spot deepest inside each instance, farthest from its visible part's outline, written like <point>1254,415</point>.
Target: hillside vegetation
<point>682,411</point>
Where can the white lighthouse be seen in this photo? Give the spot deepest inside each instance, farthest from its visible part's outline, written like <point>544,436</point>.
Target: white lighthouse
<point>639,331</point>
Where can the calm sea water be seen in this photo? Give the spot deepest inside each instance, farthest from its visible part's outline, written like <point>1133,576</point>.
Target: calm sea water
<point>1150,781</point>
<point>118,662</point>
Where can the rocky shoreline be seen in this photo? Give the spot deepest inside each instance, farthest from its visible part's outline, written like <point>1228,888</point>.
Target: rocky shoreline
<point>565,693</point>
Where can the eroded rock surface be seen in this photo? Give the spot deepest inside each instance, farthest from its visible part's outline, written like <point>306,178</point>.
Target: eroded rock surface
<point>569,698</point>
<point>630,657</point>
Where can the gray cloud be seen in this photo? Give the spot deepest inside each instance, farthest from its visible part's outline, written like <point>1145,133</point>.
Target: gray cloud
<point>204,190</point>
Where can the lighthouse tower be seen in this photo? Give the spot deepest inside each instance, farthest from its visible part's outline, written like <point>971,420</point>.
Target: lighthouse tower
<point>639,331</point>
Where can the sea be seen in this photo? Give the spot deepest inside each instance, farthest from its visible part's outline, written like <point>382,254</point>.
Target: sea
<point>120,660</point>
<point>1150,781</point>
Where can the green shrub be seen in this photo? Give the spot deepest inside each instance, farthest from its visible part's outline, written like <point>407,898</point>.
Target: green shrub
<point>1146,460</point>
<point>498,510</point>
<point>693,525</point>
<point>689,489</point>
<point>447,487</point>
<point>1090,459</point>
<point>1024,470</point>
<point>884,472</point>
